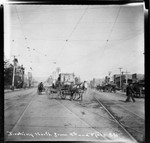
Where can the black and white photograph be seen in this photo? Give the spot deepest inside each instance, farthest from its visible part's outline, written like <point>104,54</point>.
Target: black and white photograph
<point>74,73</point>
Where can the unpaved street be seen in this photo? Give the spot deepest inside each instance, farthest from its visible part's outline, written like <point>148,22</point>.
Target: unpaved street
<point>33,117</point>
<point>130,115</point>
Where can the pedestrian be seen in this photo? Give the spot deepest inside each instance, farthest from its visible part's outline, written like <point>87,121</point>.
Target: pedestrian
<point>129,93</point>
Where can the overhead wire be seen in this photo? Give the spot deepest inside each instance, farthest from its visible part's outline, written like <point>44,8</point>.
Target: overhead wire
<point>21,27</point>
<point>86,40</point>
<point>30,65</point>
<point>58,10</point>
<point>71,33</point>
<point>105,47</point>
<point>111,30</point>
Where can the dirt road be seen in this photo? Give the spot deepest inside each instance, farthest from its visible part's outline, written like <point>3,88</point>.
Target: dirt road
<point>33,117</point>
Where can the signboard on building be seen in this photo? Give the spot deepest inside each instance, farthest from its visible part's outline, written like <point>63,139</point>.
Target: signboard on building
<point>67,77</point>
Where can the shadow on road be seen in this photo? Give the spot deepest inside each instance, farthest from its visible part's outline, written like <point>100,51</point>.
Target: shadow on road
<point>123,101</point>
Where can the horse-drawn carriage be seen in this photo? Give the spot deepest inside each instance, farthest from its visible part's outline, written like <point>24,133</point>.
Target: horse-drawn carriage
<point>111,87</point>
<point>64,88</point>
<point>41,88</point>
<point>74,91</point>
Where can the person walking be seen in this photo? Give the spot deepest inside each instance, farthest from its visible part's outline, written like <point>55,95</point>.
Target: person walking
<point>129,93</point>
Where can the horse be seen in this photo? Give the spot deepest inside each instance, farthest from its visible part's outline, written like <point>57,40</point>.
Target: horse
<point>40,88</point>
<point>77,89</point>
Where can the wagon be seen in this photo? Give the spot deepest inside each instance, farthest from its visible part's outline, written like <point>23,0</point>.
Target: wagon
<point>107,88</point>
<point>40,89</point>
<point>73,91</point>
<point>65,86</point>
<point>65,90</point>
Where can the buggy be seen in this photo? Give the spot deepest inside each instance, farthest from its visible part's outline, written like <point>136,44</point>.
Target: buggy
<point>63,88</point>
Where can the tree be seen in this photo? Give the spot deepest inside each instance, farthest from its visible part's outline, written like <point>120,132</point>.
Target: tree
<point>8,72</point>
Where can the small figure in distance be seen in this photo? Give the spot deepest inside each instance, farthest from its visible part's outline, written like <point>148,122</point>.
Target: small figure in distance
<point>129,93</point>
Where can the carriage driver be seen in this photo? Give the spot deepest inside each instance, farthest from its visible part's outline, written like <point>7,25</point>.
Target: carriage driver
<point>129,93</point>
<point>85,85</point>
<point>58,83</point>
<point>41,85</point>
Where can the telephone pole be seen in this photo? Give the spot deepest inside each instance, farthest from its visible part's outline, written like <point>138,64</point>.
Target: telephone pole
<point>120,77</point>
<point>126,76</point>
<point>15,61</point>
<point>109,73</point>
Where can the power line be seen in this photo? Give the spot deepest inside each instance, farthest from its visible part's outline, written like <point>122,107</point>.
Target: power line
<point>84,57</point>
<point>48,23</point>
<point>113,27</point>
<point>57,10</point>
<point>103,53</point>
<point>21,27</point>
<point>120,77</point>
<point>72,31</point>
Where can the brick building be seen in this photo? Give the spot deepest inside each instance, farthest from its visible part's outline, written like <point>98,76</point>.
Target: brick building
<point>116,78</point>
<point>19,77</point>
<point>130,78</point>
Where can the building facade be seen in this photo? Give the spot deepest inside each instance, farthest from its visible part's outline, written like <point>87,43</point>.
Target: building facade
<point>67,77</point>
<point>137,77</point>
<point>127,78</point>
<point>19,77</point>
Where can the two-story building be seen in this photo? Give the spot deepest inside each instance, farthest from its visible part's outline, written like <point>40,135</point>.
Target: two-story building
<point>127,78</point>
<point>124,79</point>
<point>19,76</point>
<point>67,77</point>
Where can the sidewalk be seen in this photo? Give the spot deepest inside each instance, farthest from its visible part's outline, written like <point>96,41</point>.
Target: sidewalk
<point>17,89</point>
<point>9,90</point>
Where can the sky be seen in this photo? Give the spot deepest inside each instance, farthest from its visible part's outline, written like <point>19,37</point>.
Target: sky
<point>87,40</point>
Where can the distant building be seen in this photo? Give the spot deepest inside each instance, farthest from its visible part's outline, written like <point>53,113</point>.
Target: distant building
<point>77,80</point>
<point>19,76</point>
<point>96,81</point>
<point>107,79</point>
<point>49,80</point>
<point>130,78</point>
<point>123,79</point>
<point>30,78</point>
<point>67,77</point>
<point>137,77</point>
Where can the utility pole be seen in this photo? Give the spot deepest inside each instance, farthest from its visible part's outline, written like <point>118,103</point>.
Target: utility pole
<point>120,77</point>
<point>109,73</point>
<point>126,76</point>
<point>15,61</point>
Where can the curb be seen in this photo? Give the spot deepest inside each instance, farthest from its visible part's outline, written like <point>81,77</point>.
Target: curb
<point>7,91</point>
<point>14,90</point>
<point>11,90</point>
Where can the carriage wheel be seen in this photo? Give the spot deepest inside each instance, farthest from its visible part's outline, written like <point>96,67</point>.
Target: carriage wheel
<point>81,96</point>
<point>74,96</point>
<point>63,96</point>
